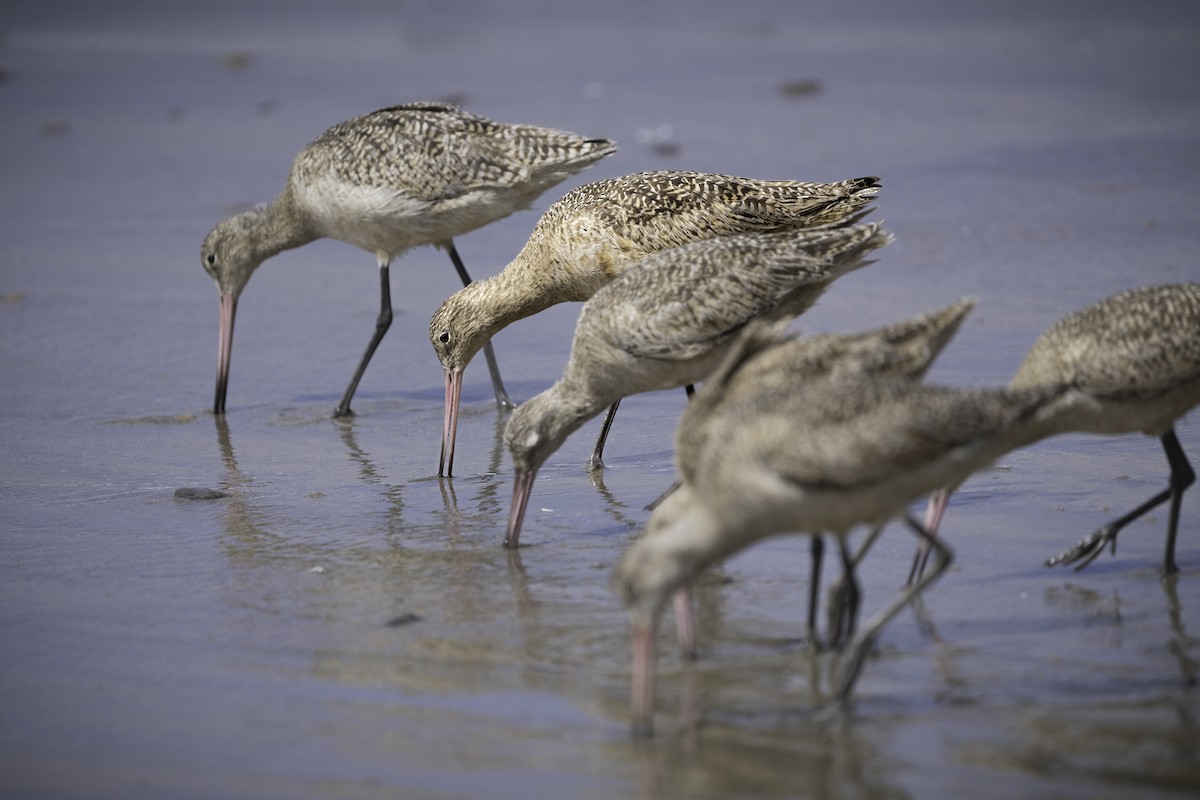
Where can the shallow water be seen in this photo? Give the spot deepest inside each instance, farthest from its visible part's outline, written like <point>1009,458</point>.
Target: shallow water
<point>344,624</point>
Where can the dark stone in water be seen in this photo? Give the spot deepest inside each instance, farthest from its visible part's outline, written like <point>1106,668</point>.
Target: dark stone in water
<point>800,88</point>
<point>403,619</point>
<point>196,493</point>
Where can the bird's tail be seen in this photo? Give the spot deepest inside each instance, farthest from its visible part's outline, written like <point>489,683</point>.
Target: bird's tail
<point>845,200</point>
<point>914,343</point>
<point>844,245</point>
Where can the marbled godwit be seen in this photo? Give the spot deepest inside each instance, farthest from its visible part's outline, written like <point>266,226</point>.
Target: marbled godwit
<point>668,322</point>
<point>818,455</point>
<point>903,350</point>
<point>386,182</point>
<point>1136,354</point>
<point>595,232</point>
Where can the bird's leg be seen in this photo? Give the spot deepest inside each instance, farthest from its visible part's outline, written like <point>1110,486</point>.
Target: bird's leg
<point>863,641</point>
<point>848,595</point>
<point>596,460</point>
<point>814,589</point>
<point>866,545</point>
<point>1182,476</point>
<point>459,266</point>
<point>382,323</point>
<point>846,591</point>
<point>502,398</point>
<point>853,592</point>
<point>656,502</point>
<point>1091,546</point>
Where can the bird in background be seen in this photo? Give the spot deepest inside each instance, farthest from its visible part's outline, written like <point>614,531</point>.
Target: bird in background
<point>667,323</point>
<point>386,182</point>
<point>1136,356</point>
<point>597,231</point>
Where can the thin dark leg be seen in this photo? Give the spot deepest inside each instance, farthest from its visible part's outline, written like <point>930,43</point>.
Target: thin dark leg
<point>1182,476</point>
<point>382,323</point>
<point>920,560</point>
<point>848,596</point>
<point>502,398</point>
<point>863,641</point>
<point>1092,545</point>
<point>866,545</point>
<point>596,460</point>
<point>843,620</point>
<point>918,564</point>
<point>814,588</point>
<point>656,502</point>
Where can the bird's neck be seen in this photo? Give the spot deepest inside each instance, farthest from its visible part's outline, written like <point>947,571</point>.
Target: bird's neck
<point>550,270</point>
<point>566,406</point>
<point>576,402</point>
<point>682,539</point>
<point>282,226</point>
<point>520,290</point>
<point>1064,410</point>
<point>547,419</point>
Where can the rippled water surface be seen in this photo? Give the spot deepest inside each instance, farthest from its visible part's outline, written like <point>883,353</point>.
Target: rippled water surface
<point>344,624</point>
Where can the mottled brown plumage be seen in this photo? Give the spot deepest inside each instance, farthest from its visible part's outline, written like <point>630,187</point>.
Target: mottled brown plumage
<point>1136,355</point>
<point>596,231</point>
<point>386,182</point>
<point>820,454</point>
<point>764,360</point>
<point>668,323</point>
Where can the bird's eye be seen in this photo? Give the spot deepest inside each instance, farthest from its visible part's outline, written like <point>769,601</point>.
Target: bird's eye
<point>212,259</point>
<point>445,337</point>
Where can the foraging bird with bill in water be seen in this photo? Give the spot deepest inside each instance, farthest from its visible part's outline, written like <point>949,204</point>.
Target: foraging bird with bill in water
<point>1136,354</point>
<point>819,453</point>
<point>595,232</point>
<point>386,182</point>
<point>668,322</point>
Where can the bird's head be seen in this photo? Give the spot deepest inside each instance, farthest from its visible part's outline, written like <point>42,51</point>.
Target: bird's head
<point>538,427</point>
<point>662,560</point>
<point>231,252</point>
<point>458,329</point>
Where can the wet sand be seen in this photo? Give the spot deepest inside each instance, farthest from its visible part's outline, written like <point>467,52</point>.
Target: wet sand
<point>344,624</point>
